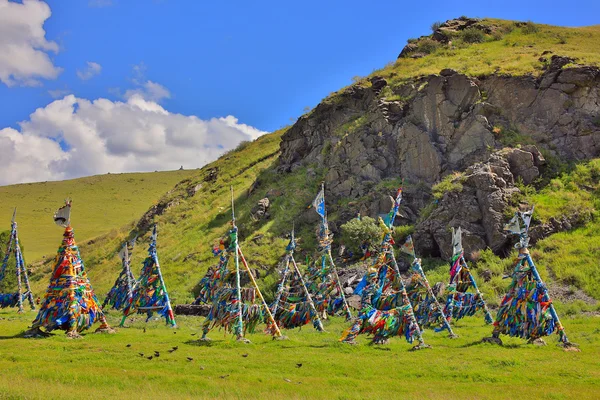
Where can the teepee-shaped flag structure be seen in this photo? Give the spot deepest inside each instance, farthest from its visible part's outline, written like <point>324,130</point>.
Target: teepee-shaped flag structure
<point>293,305</point>
<point>386,309</point>
<point>526,310</point>
<point>322,278</point>
<point>428,311</point>
<point>150,293</point>
<point>12,247</point>
<point>460,303</point>
<point>233,307</point>
<point>70,303</point>
<point>121,293</point>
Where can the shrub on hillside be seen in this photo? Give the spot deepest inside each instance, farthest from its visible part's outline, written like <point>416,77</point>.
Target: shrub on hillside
<point>472,35</point>
<point>357,232</point>
<point>450,183</point>
<point>436,25</point>
<point>529,27</point>
<point>427,46</point>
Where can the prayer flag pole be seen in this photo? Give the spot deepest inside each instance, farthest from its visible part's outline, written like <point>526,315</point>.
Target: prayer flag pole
<point>527,292</point>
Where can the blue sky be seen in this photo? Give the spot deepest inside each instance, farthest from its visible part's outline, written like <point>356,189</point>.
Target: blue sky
<point>260,61</point>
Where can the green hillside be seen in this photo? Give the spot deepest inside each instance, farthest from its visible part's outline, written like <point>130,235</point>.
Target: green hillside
<point>193,221</point>
<point>188,229</point>
<point>513,48</point>
<point>101,203</point>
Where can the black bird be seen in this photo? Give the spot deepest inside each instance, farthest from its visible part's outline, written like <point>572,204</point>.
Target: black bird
<point>190,359</point>
<point>245,355</point>
<point>128,345</point>
<point>141,354</point>
<point>298,365</point>
<point>193,334</point>
<point>149,357</point>
<point>173,349</point>
<point>144,329</point>
<point>156,353</point>
<point>174,333</point>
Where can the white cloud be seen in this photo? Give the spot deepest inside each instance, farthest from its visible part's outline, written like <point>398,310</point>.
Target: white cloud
<point>24,49</point>
<point>74,137</point>
<point>149,90</point>
<point>56,93</point>
<point>232,122</point>
<point>92,69</point>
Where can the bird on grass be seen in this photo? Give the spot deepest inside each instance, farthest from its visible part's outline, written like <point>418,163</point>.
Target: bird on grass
<point>128,345</point>
<point>298,365</point>
<point>141,354</point>
<point>173,349</point>
<point>156,353</point>
<point>190,359</point>
<point>149,357</point>
<point>245,355</point>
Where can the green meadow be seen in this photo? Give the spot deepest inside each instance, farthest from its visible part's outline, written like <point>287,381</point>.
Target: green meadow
<point>101,203</point>
<point>102,366</point>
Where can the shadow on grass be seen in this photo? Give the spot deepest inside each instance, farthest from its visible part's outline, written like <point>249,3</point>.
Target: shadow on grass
<point>478,342</point>
<point>203,343</point>
<point>21,335</point>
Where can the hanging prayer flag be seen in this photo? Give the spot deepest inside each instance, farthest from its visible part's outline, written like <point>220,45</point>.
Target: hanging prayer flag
<point>456,241</point>
<point>319,203</point>
<point>408,247</point>
<point>526,217</point>
<point>513,226</point>
<point>62,216</point>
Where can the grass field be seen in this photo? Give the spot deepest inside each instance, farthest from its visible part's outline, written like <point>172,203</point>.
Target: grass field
<point>100,203</point>
<point>515,52</point>
<point>101,366</point>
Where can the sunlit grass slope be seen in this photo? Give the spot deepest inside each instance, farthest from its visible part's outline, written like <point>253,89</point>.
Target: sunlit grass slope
<point>514,50</point>
<point>100,203</point>
<point>103,367</point>
<point>189,228</point>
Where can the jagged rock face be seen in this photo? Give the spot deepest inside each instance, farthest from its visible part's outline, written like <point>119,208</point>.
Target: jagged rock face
<point>557,111</point>
<point>444,123</point>
<point>479,208</point>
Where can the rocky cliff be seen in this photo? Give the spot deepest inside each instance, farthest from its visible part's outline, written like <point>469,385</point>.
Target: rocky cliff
<point>438,124</point>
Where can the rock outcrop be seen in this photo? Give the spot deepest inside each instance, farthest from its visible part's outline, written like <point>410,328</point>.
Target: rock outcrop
<point>478,205</point>
<point>441,124</point>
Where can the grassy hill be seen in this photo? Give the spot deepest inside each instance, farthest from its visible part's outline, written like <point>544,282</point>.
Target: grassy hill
<point>513,48</point>
<point>192,210</point>
<point>188,228</point>
<point>101,203</point>
<point>192,222</point>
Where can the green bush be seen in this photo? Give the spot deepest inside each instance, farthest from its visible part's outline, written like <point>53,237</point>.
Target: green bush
<point>472,35</point>
<point>436,25</point>
<point>450,183</point>
<point>427,46</point>
<point>529,28</point>
<point>358,231</point>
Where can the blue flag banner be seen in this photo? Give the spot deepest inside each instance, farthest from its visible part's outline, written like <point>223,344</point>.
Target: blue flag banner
<point>319,203</point>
